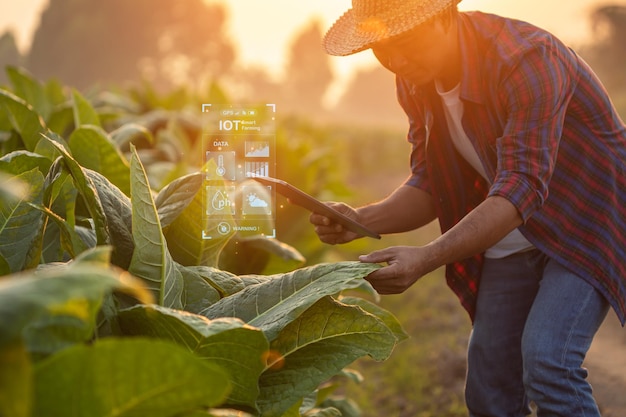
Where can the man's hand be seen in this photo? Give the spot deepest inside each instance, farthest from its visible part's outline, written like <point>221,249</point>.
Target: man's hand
<point>331,232</point>
<point>405,265</point>
<point>484,226</point>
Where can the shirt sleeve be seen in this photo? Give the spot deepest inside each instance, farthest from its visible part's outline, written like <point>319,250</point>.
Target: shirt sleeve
<point>535,93</point>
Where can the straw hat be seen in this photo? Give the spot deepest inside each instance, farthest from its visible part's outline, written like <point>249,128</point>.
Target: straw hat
<point>370,21</point>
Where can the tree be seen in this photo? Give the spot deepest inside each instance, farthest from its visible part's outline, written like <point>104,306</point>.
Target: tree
<point>9,54</point>
<point>85,42</point>
<point>308,73</point>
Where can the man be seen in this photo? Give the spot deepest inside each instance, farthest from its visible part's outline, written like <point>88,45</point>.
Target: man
<point>519,153</point>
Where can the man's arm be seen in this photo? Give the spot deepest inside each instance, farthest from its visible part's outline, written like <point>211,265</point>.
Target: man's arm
<point>405,209</point>
<point>484,226</point>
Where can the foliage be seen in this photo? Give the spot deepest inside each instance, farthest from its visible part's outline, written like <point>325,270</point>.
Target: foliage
<point>112,304</point>
<point>157,39</point>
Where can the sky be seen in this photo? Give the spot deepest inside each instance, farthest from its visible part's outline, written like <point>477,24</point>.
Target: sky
<point>264,29</point>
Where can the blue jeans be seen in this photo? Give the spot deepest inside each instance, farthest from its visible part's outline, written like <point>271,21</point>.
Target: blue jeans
<point>534,323</point>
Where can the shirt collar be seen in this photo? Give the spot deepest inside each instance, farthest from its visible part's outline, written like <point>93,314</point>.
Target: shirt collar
<point>471,62</point>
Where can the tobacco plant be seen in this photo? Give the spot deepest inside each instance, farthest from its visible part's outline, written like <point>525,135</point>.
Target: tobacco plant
<point>111,303</point>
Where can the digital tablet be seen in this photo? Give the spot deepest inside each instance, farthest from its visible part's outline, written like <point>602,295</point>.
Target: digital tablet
<point>302,199</point>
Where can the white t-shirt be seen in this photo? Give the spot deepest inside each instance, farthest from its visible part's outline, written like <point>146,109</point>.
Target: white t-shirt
<point>453,108</point>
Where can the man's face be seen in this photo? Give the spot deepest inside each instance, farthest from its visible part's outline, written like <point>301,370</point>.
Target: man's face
<point>419,55</point>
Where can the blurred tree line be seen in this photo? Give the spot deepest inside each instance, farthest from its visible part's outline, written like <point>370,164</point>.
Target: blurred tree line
<point>91,43</point>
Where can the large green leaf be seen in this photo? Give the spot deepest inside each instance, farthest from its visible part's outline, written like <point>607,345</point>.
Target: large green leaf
<point>20,224</point>
<point>62,238</point>
<point>28,296</point>
<point>62,234</point>
<point>317,345</point>
<point>229,343</point>
<point>93,149</point>
<point>151,259</point>
<point>22,118</point>
<point>124,378</point>
<point>117,209</point>
<point>176,196</point>
<point>280,299</point>
<point>226,283</point>
<point>85,187</point>
<point>386,316</point>
<point>182,206</point>
<point>198,292</point>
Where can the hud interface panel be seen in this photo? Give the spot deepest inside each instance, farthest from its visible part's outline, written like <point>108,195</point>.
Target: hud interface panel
<point>239,142</point>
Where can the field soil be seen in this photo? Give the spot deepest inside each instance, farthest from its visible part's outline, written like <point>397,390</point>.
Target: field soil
<point>606,362</point>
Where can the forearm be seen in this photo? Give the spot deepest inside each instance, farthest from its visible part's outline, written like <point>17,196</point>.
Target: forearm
<point>483,227</point>
<point>407,208</point>
<point>480,229</point>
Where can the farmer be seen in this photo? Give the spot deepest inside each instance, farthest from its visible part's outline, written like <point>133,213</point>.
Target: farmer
<point>519,153</point>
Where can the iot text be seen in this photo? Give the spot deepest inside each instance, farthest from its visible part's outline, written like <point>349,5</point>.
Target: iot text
<point>229,125</point>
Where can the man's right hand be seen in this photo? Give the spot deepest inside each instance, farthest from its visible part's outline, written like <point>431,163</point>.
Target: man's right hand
<point>331,232</point>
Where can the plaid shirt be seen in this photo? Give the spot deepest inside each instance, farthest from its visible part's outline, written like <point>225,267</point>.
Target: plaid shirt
<point>550,141</point>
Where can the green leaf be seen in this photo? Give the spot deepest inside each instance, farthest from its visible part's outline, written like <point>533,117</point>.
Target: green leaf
<point>86,188</point>
<point>386,316</point>
<point>117,210</point>
<point>26,297</point>
<point>61,119</point>
<point>235,347</point>
<point>151,259</point>
<point>124,378</point>
<point>224,282</point>
<point>20,224</point>
<point>21,161</point>
<point>31,90</point>
<point>5,268</point>
<point>16,381</point>
<point>93,149</point>
<point>324,412</point>
<point>316,346</point>
<point>84,113</point>
<point>198,293</point>
<point>176,196</point>
<point>130,133</point>
<point>181,205</point>
<point>70,240</point>
<point>63,236</point>
<point>280,299</point>
<point>21,117</point>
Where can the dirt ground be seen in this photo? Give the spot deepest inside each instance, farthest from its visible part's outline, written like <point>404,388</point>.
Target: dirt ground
<point>606,362</point>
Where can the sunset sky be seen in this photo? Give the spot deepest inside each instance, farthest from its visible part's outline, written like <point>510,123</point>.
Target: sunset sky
<point>263,29</point>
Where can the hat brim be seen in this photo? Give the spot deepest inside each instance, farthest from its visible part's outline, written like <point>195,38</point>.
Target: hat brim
<point>348,35</point>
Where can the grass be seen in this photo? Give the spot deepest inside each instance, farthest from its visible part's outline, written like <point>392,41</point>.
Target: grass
<point>425,375</point>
